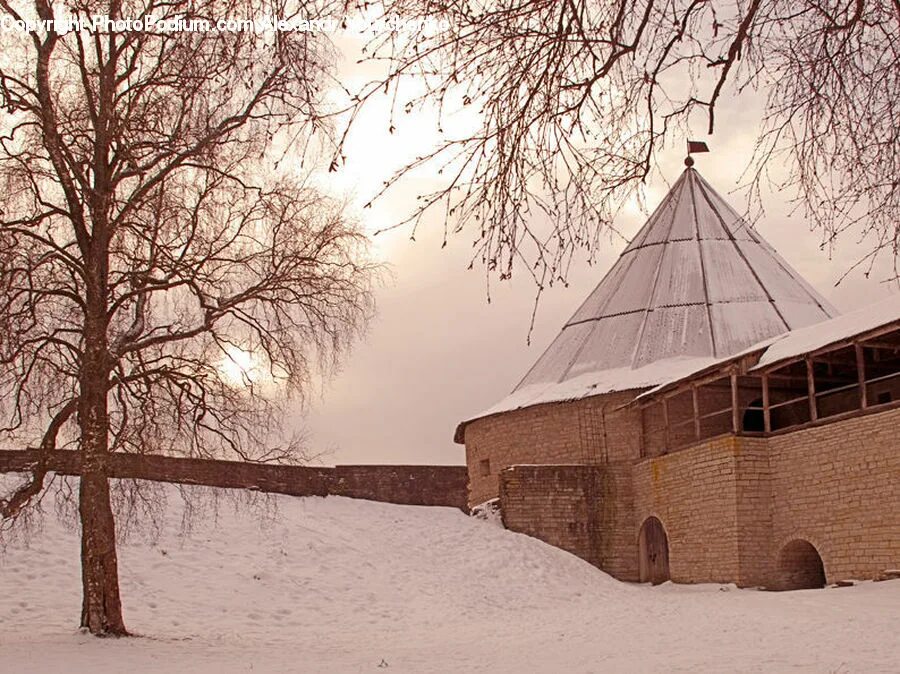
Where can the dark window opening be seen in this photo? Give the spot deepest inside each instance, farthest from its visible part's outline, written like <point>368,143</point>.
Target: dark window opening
<point>484,467</point>
<point>884,398</point>
<point>754,420</point>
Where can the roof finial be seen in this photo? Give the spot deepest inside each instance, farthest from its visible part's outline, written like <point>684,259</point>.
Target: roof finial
<point>694,146</point>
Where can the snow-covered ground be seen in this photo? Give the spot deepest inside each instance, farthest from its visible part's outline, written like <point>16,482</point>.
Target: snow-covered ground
<point>337,585</point>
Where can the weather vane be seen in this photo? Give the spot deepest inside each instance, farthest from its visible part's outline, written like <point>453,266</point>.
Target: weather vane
<point>694,146</point>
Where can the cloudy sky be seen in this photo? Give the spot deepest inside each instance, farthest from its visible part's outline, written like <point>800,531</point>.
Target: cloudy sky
<point>439,353</point>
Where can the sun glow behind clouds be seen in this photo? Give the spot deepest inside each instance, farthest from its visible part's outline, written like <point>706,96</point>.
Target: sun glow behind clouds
<point>239,367</point>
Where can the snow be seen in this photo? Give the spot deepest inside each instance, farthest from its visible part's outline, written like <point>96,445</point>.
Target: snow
<point>597,383</point>
<point>804,340</point>
<point>337,585</point>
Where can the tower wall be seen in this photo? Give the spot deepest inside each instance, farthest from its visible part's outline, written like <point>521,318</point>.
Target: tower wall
<point>588,431</point>
<point>572,485</point>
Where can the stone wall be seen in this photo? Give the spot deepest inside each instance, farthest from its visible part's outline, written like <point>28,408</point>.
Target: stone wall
<point>838,486</point>
<point>556,504</point>
<point>584,509</point>
<point>693,493</point>
<point>731,504</point>
<point>408,485</point>
<point>590,431</point>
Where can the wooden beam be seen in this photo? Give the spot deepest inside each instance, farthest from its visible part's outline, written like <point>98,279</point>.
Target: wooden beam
<point>665,406</point>
<point>811,390</point>
<point>735,422</point>
<point>834,346</point>
<point>696,412</point>
<point>767,411</point>
<point>888,346</point>
<point>861,376</point>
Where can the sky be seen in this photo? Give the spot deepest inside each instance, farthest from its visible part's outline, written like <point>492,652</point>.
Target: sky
<point>439,352</point>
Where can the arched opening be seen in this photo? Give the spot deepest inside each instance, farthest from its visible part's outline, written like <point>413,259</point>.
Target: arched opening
<point>654,552</point>
<point>754,421</point>
<point>800,567</point>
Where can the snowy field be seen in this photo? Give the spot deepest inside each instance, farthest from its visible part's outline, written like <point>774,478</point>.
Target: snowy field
<point>337,585</point>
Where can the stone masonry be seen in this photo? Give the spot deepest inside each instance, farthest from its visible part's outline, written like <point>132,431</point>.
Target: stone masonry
<point>730,505</point>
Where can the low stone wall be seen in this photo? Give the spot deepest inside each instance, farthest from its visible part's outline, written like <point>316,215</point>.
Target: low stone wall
<point>407,485</point>
<point>556,504</point>
<point>584,509</point>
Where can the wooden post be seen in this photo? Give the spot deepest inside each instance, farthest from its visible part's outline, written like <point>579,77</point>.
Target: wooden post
<point>767,412</point>
<point>811,390</point>
<point>735,421</point>
<point>665,406</point>
<point>696,413</point>
<point>861,375</point>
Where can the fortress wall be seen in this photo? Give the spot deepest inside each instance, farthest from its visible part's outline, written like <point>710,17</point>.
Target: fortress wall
<point>693,492</point>
<point>838,486</point>
<point>407,485</point>
<point>729,504</point>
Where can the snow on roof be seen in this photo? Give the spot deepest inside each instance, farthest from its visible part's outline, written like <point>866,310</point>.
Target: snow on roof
<point>803,341</point>
<point>696,284</point>
<point>597,383</point>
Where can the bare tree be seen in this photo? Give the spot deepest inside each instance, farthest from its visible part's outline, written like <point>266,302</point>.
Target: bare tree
<point>143,242</point>
<point>576,97</point>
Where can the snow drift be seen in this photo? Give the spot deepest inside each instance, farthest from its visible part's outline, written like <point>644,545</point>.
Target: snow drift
<point>338,585</point>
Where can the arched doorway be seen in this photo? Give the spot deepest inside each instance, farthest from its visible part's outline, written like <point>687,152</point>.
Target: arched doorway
<point>654,552</point>
<point>800,567</point>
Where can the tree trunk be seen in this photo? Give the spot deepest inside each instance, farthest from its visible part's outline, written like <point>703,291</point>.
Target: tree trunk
<point>101,611</point>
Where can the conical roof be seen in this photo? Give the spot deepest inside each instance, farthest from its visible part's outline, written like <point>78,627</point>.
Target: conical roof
<point>696,284</point>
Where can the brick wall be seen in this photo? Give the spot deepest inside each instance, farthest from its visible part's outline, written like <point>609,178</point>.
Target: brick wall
<point>556,504</point>
<point>731,504</point>
<point>408,485</point>
<point>693,493</point>
<point>590,431</point>
<point>838,487</point>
